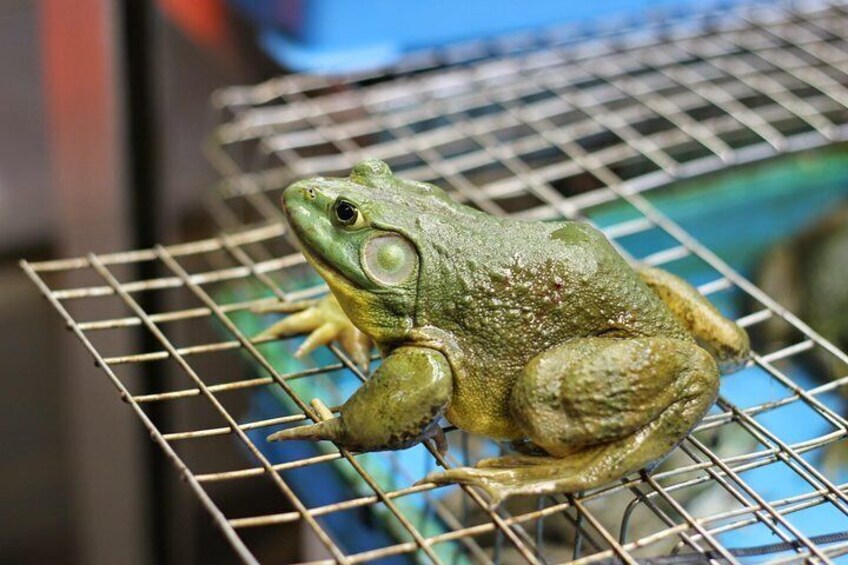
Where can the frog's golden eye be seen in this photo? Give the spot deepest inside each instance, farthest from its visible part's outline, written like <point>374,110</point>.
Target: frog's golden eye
<point>347,214</point>
<point>389,259</point>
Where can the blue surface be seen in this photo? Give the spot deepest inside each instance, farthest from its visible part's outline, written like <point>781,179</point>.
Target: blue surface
<point>343,35</point>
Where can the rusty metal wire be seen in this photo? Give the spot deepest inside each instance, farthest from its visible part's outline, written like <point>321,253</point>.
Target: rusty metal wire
<point>536,126</point>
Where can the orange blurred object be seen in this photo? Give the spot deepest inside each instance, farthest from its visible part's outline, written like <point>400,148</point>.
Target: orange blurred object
<point>204,21</point>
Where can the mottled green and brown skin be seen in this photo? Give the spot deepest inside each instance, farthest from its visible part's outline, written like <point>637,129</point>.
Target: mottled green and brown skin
<point>534,332</point>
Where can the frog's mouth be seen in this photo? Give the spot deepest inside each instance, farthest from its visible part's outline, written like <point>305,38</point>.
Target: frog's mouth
<point>311,238</point>
<point>325,269</point>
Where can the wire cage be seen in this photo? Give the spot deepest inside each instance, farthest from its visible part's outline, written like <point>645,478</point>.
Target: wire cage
<point>561,124</point>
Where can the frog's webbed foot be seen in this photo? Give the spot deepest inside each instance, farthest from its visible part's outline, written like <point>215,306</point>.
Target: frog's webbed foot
<point>324,321</point>
<point>502,477</point>
<point>486,479</point>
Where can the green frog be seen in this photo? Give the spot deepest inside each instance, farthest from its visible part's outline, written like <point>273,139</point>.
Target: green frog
<point>535,333</point>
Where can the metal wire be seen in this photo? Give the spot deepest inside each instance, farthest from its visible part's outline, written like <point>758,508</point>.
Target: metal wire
<point>538,126</point>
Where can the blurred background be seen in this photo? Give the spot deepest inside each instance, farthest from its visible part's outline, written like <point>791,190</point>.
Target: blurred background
<point>105,112</point>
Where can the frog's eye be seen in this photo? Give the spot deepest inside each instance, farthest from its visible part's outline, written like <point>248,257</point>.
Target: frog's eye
<point>347,214</point>
<point>389,259</point>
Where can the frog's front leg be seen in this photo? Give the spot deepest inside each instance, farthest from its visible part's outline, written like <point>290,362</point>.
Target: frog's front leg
<point>601,408</point>
<point>399,406</point>
<point>324,320</point>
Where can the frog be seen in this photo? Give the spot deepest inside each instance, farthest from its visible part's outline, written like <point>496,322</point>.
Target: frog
<point>538,334</point>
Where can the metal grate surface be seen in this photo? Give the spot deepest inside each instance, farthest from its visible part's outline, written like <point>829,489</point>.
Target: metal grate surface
<point>543,126</point>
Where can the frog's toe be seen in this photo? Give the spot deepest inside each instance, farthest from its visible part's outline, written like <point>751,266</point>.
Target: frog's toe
<point>440,440</point>
<point>324,322</point>
<point>304,321</point>
<point>490,480</point>
<point>322,335</point>
<point>283,307</point>
<point>358,346</point>
<point>354,342</point>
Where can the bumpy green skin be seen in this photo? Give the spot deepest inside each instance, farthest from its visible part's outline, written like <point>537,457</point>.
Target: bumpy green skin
<point>548,337</point>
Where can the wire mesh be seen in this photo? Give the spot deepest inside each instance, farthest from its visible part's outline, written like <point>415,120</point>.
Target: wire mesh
<point>538,126</point>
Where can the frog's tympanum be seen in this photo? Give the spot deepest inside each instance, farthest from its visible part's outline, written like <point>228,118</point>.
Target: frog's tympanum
<point>536,333</point>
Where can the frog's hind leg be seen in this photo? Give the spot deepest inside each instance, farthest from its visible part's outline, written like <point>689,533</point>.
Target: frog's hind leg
<point>601,408</point>
<point>725,340</point>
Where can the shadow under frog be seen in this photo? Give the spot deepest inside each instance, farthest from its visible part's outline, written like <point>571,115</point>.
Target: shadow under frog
<point>536,333</point>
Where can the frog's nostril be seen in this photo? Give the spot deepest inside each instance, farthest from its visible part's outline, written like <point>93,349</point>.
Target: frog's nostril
<point>310,193</point>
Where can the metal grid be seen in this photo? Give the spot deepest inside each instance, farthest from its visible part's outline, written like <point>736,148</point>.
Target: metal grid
<point>544,126</point>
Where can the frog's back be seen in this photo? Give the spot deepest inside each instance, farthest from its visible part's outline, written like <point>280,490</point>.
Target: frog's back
<point>538,285</point>
<point>613,299</point>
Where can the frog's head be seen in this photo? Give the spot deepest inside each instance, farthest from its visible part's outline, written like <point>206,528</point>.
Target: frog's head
<point>358,232</point>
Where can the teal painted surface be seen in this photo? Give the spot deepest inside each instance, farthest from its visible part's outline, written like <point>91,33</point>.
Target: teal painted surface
<point>740,213</point>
